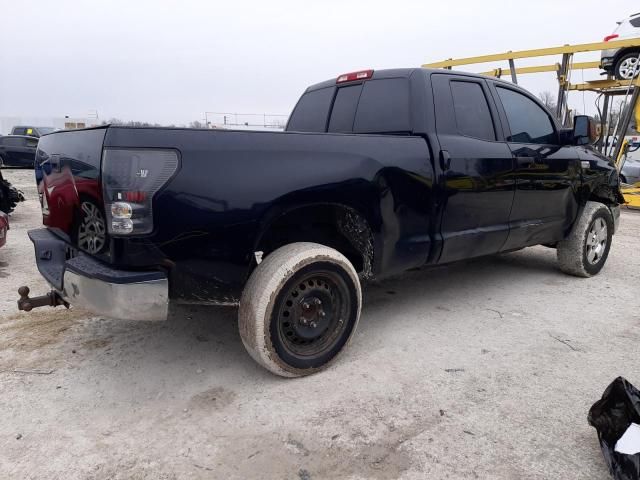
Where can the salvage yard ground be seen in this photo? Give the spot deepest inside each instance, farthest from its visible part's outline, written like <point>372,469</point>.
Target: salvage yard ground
<point>484,369</point>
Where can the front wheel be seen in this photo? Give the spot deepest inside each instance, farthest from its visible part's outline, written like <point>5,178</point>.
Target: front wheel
<point>299,309</point>
<point>584,252</point>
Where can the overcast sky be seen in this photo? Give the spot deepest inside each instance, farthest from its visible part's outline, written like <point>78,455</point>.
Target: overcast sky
<point>170,61</point>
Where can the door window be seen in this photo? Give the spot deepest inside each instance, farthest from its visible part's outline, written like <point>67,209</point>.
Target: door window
<point>528,121</point>
<point>471,109</point>
<point>384,107</point>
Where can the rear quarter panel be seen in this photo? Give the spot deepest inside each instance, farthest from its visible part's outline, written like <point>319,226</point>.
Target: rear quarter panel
<point>232,184</point>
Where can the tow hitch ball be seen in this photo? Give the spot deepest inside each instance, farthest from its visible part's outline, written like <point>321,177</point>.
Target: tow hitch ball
<point>51,299</point>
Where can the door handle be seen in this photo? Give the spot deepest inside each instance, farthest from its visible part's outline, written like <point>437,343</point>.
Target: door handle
<point>525,161</point>
<point>445,160</point>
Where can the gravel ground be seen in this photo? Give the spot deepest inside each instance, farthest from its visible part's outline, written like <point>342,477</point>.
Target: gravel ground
<point>484,369</point>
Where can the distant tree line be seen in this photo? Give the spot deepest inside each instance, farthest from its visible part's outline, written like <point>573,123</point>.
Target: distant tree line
<point>133,123</point>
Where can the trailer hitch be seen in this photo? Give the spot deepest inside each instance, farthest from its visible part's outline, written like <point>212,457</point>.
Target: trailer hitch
<point>51,299</point>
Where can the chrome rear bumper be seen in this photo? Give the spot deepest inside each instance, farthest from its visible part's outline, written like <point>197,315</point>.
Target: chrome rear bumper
<point>86,282</point>
<point>148,300</point>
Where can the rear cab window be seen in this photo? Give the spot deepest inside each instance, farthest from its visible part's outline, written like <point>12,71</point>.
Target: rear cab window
<point>312,110</point>
<point>344,109</point>
<point>376,106</point>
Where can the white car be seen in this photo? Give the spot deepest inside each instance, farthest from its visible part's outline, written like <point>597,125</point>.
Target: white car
<point>623,62</point>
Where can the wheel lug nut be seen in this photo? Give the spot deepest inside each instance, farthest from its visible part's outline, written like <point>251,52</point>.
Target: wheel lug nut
<point>322,314</point>
<point>318,302</point>
<point>313,324</point>
<point>305,305</point>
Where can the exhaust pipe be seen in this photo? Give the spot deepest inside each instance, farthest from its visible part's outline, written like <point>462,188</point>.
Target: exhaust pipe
<point>51,299</point>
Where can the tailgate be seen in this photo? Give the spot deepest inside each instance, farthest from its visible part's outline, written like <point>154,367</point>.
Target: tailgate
<point>67,171</point>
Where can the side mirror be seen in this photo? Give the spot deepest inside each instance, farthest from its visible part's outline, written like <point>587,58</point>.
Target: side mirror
<point>585,130</point>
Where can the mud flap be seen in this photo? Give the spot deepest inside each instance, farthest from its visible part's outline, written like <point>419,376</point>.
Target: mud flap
<point>611,416</point>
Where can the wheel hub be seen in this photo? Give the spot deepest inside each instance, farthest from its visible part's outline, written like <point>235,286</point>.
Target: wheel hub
<point>312,314</point>
<point>596,241</point>
<point>628,68</point>
<point>313,318</point>
<point>92,230</point>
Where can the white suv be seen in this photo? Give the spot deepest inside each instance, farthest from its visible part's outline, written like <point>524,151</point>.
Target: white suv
<point>623,62</point>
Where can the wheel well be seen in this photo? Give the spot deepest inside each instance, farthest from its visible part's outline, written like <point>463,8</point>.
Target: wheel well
<point>607,196</point>
<point>622,52</point>
<point>334,226</point>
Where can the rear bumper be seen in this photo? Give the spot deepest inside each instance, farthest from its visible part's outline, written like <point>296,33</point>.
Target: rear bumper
<point>87,283</point>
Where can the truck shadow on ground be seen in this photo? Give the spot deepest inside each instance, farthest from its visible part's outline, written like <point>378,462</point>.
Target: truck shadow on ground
<point>198,340</point>
<point>207,337</point>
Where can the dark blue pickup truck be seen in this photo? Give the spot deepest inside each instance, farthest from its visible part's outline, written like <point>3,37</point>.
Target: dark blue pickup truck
<point>376,173</point>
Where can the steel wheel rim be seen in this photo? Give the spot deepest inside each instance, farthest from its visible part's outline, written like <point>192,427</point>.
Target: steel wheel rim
<point>596,240</point>
<point>314,314</point>
<point>628,68</point>
<point>92,229</point>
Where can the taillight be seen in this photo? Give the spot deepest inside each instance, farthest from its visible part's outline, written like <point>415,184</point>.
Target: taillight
<point>130,179</point>
<point>610,37</point>
<point>353,76</point>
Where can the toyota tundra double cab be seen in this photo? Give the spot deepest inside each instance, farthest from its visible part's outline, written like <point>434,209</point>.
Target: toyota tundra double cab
<point>376,173</point>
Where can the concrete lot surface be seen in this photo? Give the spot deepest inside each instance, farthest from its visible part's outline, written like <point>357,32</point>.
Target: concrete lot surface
<point>484,369</point>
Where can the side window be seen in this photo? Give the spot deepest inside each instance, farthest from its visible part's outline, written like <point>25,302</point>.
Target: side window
<point>32,142</point>
<point>635,21</point>
<point>528,122</point>
<point>472,113</point>
<point>344,109</point>
<point>384,107</point>
<point>14,142</point>
<point>311,112</point>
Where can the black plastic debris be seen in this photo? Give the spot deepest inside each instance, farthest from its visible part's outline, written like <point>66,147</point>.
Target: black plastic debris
<point>611,416</point>
<point>10,196</point>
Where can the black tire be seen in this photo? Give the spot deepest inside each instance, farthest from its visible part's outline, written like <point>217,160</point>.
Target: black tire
<point>584,252</point>
<point>627,66</point>
<point>299,309</point>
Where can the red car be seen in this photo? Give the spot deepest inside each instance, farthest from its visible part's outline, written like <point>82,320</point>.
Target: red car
<point>4,226</point>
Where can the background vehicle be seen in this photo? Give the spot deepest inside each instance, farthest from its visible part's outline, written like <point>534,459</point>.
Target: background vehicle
<point>31,131</point>
<point>4,228</point>
<point>623,62</point>
<point>9,196</point>
<point>17,151</point>
<point>377,173</point>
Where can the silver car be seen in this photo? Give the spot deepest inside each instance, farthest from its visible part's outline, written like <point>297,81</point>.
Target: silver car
<point>623,62</point>
<point>630,172</point>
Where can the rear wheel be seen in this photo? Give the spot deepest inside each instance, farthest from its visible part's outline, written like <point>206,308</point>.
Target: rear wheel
<point>584,252</point>
<point>299,309</point>
<point>91,230</point>
<point>627,66</point>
